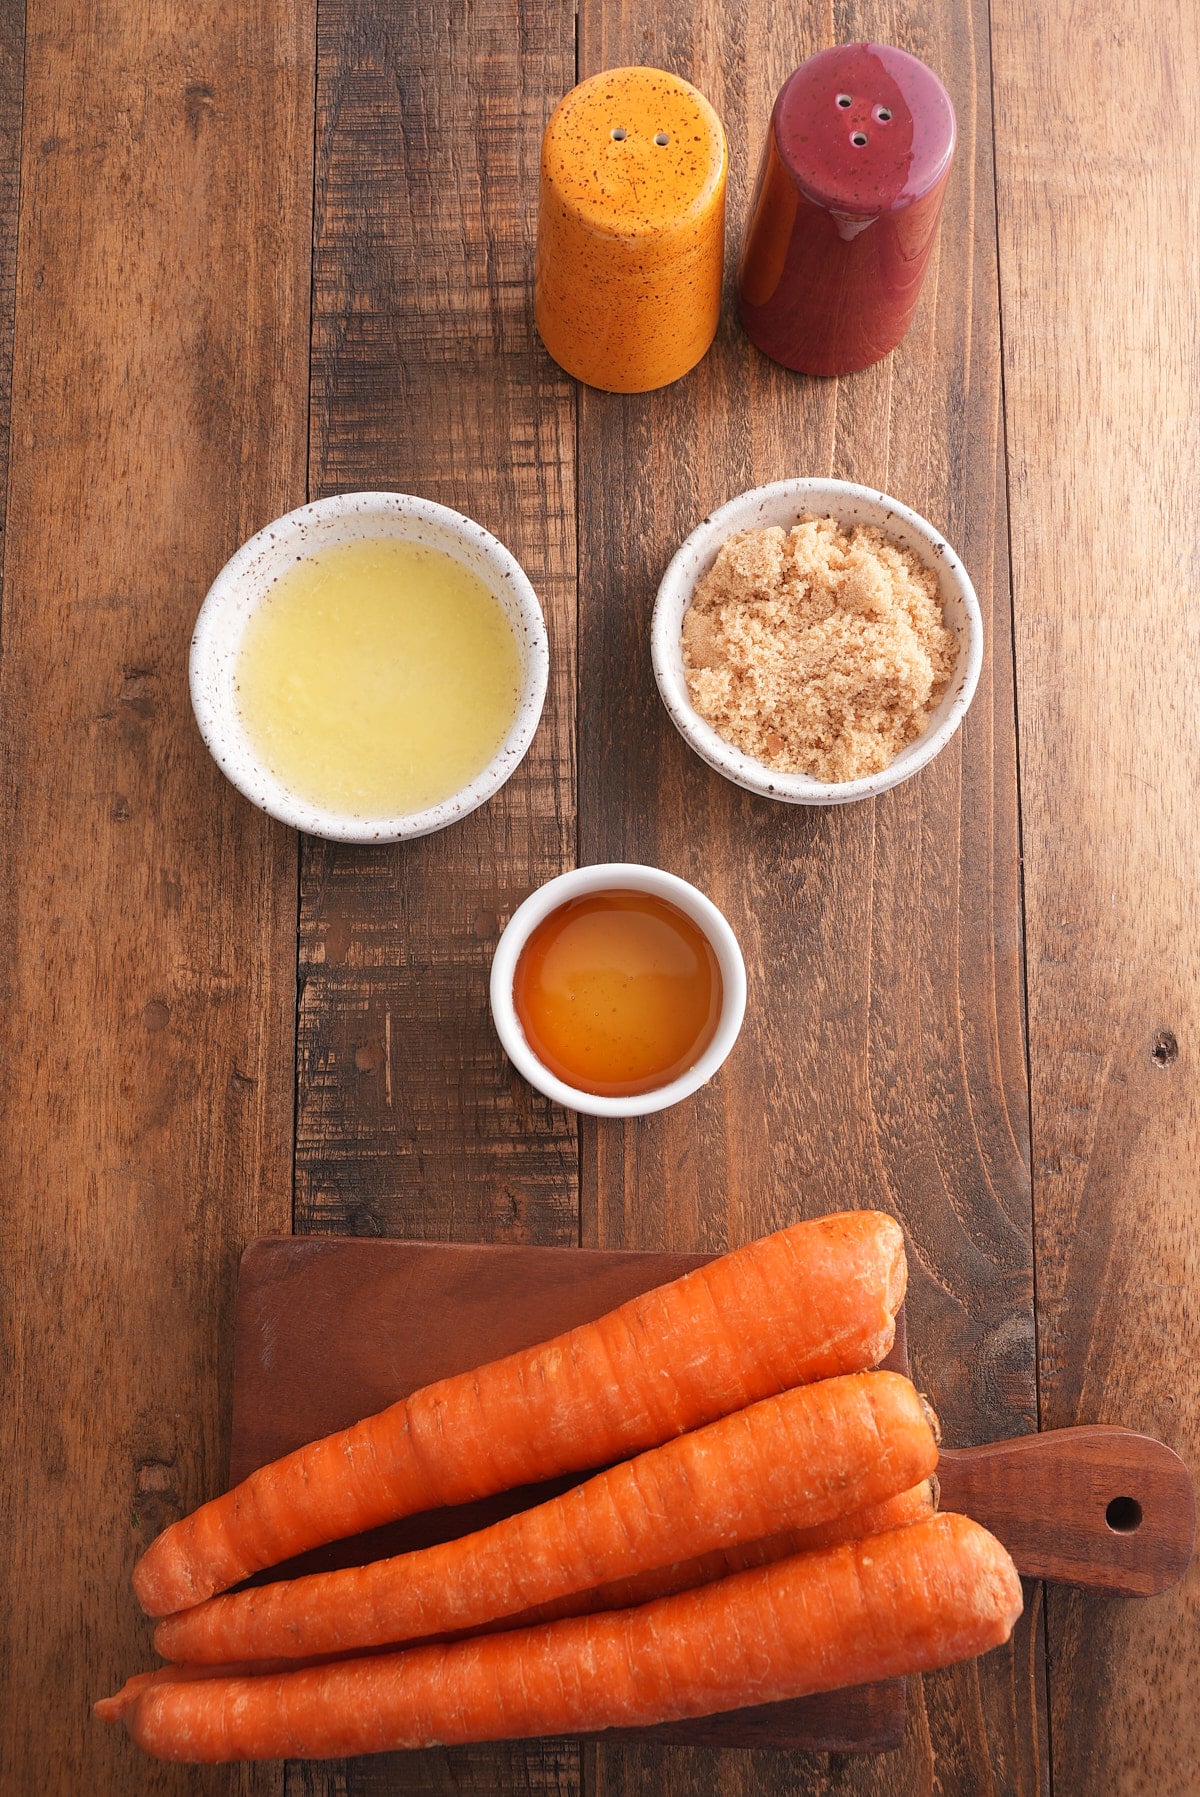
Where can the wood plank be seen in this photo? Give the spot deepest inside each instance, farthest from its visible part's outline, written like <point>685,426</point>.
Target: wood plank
<point>882,1059</point>
<point>427,377</point>
<point>12,70</point>
<point>1100,218</point>
<point>147,911</point>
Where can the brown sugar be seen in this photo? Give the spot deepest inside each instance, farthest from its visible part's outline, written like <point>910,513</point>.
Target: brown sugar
<point>817,650</point>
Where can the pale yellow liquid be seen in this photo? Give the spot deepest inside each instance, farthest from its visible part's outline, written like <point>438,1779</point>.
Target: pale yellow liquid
<point>377,678</point>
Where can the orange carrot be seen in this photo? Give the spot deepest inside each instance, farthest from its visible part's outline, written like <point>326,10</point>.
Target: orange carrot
<point>899,1512</point>
<point>114,1709</point>
<point>917,1504</point>
<point>899,1603</point>
<point>788,1462</point>
<point>814,1300</point>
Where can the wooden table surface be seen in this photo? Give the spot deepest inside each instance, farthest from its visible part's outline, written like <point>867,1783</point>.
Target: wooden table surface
<point>253,253</point>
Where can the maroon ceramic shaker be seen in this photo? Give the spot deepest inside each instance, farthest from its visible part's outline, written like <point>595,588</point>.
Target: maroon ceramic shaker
<point>846,208</point>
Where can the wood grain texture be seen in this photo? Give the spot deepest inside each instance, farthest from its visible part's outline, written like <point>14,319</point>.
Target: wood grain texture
<point>12,69</point>
<point>158,418</point>
<point>882,1059</point>
<point>427,377</point>
<point>1099,1507</point>
<point>1098,277</point>
<point>328,1331</point>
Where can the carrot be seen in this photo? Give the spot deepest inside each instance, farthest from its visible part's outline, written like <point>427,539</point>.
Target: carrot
<point>788,1462</point>
<point>814,1300</point>
<point>114,1709</point>
<point>917,1504</point>
<point>899,1603</point>
<point>900,1512</point>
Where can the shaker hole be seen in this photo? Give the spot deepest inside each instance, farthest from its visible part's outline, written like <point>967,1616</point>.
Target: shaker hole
<point>858,138</point>
<point>883,114</point>
<point>844,100</point>
<point>619,134</point>
<point>1124,1515</point>
<point>661,139</point>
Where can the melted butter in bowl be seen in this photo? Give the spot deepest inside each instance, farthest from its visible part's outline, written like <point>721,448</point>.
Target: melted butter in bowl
<point>378,677</point>
<point>369,668</point>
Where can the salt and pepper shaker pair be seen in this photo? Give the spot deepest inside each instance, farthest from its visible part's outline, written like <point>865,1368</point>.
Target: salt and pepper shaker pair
<point>631,223</point>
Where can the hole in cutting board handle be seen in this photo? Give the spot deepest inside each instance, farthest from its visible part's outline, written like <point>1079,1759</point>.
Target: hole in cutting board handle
<point>1123,1515</point>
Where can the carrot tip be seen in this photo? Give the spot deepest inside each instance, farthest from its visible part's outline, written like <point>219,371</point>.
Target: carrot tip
<point>112,1709</point>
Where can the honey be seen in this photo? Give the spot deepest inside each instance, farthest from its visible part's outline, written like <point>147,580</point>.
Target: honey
<point>618,993</point>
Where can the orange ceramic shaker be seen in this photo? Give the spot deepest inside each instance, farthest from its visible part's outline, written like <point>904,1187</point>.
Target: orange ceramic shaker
<point>631,230</point>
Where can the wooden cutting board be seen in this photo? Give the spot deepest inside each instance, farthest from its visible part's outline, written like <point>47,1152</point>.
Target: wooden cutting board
<point>329,1329</point>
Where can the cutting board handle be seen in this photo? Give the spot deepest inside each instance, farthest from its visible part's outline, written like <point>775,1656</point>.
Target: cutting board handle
<point>1100,1507</point>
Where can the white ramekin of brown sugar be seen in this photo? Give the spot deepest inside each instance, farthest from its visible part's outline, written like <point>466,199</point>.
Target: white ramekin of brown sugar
<point>784,504</point>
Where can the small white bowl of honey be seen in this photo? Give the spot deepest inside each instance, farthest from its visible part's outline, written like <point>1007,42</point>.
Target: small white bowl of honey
<point>618,990</point>
<point>370,667</point>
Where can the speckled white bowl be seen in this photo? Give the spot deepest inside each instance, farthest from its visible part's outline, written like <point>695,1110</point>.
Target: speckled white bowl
<point>617,876</point>
<point>246,580</point>
<point>785,502</point>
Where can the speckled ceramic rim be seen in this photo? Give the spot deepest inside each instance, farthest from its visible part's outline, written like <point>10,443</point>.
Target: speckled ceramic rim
<point>612,876</point>
<point>785,502</point>
<point>247,578</point>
